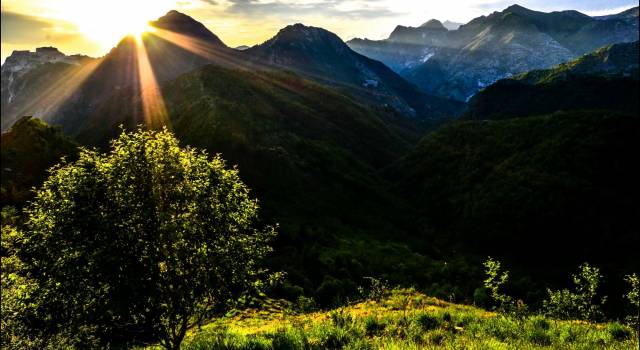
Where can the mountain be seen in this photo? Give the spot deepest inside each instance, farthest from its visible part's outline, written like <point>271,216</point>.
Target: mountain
<point>432,33</point>
<point>605,79</point>
<point>28,149</point>
<point>27,74</point>
<point>321,55</point>
<point>67,93</point>
<point>458,63</point>
<point>451,25</point>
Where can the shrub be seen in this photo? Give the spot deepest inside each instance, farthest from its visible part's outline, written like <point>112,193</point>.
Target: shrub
<point>427,322</point>
<point>150,238</point>
<point>306,304</point>
<point>376,289</point>
<point>373,326</point>
<point>540,323</point>
<point>331,337</point>
<point>539,336</point>
<point>292,339</point>
<point>437,337</point>
<point>341,319</point>
<point>618,332</point>
<point>581,303</point>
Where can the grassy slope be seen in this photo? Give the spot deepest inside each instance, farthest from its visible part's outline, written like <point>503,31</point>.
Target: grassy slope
<point>403,319</point>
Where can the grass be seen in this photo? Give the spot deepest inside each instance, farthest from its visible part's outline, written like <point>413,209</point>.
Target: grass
<point>404,319</point>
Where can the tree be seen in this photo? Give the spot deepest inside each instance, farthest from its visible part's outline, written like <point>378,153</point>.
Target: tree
<point>143,242</point>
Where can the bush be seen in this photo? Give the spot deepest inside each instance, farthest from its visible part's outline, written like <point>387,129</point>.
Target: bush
<point>437,337</point>
<point>428,322</point>
<point>581,303</point>
<point>539,336</point>
<point>293,339</point>
<point>341,319</point>
<point>373,326</point>
<point>618,332</point>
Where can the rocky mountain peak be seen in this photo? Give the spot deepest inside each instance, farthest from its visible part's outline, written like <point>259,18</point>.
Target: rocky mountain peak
<point>433,24</point>
<point>306,37</point>
<point>515,8</point>
<point>182,24</point>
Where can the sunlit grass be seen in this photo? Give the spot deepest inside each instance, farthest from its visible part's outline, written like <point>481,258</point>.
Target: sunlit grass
<point>404,319</point>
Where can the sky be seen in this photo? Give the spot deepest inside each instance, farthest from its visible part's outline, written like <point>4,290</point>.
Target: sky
<point>93,27</point>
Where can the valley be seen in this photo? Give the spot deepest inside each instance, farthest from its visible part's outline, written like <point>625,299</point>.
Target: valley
<point>404,162</point>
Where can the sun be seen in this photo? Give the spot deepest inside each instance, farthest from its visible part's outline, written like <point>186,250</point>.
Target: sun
<point>107,22</point>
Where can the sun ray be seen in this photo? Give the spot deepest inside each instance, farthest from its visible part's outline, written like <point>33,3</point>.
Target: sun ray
<point>47,102</point>
<point>153,105</point>
<point>198,47</point>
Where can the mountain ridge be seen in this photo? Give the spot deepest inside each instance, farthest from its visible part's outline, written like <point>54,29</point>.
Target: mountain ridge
<point>488,48</point>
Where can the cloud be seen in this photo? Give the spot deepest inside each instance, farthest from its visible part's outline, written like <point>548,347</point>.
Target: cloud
<point>19,28</point>
<point>340,8</point>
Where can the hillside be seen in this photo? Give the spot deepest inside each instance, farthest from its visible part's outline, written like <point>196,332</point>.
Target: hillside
<point>515,188</point>
<point>605,79</point>
<point>322,56</point>
<point>401,319</point>
<point>28,149</point>
<point>309,154</point>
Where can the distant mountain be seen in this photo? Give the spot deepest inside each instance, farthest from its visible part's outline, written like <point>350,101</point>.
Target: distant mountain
<point>27,74</point>
<point>606,79</point>
<point>452,25</point>
<point>432,33</point>
<point>242,47</point>
<point>458,63</point>
<point>321,55</point>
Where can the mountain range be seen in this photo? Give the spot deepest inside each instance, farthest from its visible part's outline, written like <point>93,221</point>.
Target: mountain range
<point>367,173</point>
<point>180,44</point>
<point>606,79</point>
<point>458,63</point>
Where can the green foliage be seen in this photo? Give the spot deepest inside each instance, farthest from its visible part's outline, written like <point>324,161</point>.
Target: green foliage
<point>376,289</point>
<point>633,297</point>
<point>373,326</point>
<point>582,303</point>
<point>495,282</point>
<point>428,322</point>
<point>527,188</point>
<point>148,239</point>
<point>618,331</point>
<point>27,150</point>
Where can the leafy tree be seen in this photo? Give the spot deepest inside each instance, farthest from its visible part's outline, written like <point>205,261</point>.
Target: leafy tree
<point>494,283</point>
<point>143,242</point>
<point>581,303</point>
